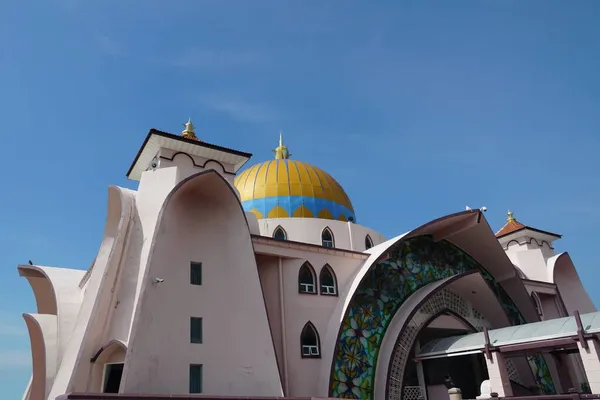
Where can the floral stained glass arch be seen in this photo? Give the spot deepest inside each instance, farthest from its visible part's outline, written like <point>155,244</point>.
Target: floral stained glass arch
<point>413,264</point>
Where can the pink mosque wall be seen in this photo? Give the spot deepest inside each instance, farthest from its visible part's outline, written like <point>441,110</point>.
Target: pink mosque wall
<point>236,321</point>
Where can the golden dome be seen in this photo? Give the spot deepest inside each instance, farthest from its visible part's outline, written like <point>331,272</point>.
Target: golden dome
<point>284,188</point>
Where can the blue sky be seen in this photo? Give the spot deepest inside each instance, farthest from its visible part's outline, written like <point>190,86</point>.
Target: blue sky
<point>417,108</point>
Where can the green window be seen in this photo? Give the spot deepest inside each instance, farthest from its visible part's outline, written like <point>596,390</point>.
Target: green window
<point>196,330</point>
<point>195,378</point>
<point>196,273</point>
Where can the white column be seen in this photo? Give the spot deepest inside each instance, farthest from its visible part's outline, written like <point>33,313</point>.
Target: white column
<point>498,373</point>
<point>590,358</point>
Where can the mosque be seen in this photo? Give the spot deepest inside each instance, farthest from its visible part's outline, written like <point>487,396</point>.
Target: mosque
<point>217,280</point>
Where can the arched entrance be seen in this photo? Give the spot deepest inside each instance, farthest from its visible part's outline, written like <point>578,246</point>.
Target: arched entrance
<point>444,313</point>
<point>411,264</point>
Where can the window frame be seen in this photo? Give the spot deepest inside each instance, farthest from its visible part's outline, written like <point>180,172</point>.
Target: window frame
<point>280,229</point>
<point>330,290</point>
<point>332,240</point>
<point>368,242</point>
<point>310,350</point>
<point>198,265</point>
<point>104,376</point>
<point>303,287</point>
<point>200,333</point>
<point>201,379</point>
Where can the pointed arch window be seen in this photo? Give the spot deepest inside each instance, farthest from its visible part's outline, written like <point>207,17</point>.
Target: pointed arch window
<point>279,233</point>
<point>368,242</point>
<point>327,238</point>
<point>306,279</point>
<point>309,342</point>
<point>327,281</point>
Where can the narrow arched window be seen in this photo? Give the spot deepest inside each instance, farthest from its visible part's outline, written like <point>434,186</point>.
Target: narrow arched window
<point>368,242</point>
<point>279,234</point>
<point>537,304</point>
<point>327,238</point>
<point>309,342</point>
<point>306,279</point>
<point>327,281</point>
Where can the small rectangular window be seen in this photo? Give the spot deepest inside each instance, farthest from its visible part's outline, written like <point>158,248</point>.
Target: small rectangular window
<point>112,377</point>
<point>195,378</point>
<point>196,273</point>
<point>196,330</point>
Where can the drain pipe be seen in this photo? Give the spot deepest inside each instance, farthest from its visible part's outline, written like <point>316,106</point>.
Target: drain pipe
<point>283,333</point>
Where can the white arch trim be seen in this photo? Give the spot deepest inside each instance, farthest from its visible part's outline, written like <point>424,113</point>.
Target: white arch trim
<point>43,336</point>
<point>106,350</point>
<point>391,335</point>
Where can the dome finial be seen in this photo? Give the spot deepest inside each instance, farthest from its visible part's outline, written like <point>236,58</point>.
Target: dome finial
<point>281,152</point>
<point>189,131</point>
<point>511,216</point>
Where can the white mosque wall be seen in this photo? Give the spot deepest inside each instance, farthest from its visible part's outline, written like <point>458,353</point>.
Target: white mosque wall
<point>43,334</point>
<point>562,272</point>
<point>533,254</point>
<point>85,339</point>
<point>202,221</point>
<point>57,293</point>
<point>347,235</point>
<point>531,261</point>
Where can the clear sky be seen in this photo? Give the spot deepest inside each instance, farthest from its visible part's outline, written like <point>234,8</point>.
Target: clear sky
<point>418,108</point>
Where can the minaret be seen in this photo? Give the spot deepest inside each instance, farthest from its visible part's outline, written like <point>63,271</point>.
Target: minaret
<point>527,237</point>
<point>189,131</point>
<point>281,152</point>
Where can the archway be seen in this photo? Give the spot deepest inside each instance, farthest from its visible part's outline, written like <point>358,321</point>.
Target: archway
<point>410,265</point>
<point>444,313</point>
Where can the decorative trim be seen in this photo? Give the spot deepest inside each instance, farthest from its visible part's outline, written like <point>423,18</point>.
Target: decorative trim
<point>527,242</point>
<point>184,140</point>
<point>194,161</point>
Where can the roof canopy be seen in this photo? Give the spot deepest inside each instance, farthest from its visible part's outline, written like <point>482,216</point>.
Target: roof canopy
<point>514,226</point>
<point>512,335</point>
<point>186,143</point>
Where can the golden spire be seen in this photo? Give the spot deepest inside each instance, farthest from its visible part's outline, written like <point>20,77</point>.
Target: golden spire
<point>281,152</point>
<point>189,132</point>
<point>511,217</point>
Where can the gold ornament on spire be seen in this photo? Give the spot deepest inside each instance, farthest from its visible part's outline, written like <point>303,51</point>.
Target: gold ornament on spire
<point>281,152</point>
<point>189,131</point>
<point>511,217</point>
